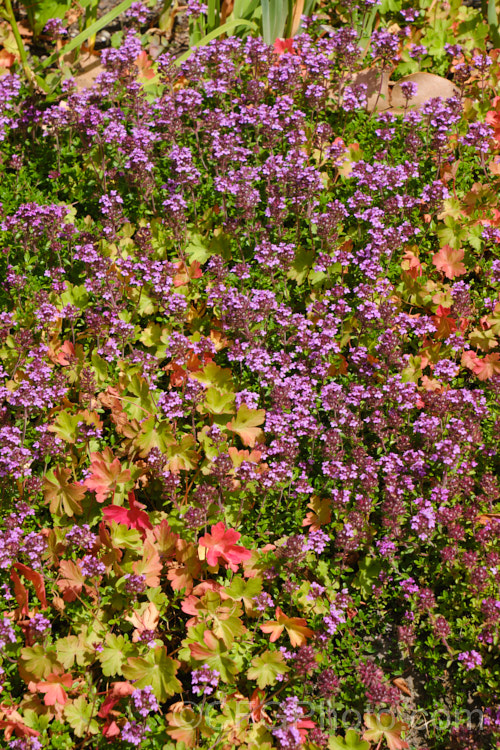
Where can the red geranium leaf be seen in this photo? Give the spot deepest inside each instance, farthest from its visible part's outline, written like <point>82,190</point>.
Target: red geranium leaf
<point>283,45</point>
<point>20,592</point>
<point>221,544</point>
<point>118,690</point>
<point>133,518</point>
<point>36,579</point>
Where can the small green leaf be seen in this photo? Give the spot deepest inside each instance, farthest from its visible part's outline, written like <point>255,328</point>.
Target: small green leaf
<point>66,426</point>
<point>266,667</point>
<point>124,537</point>
<point>37,662</point>
<point>66,650</point>
<point>198,249</point>
<point>79,716</point>
<point>156,669</point>
<point>218,402</point>
<point>114,654</point>
<point>352,741</point>
<point>244,590</point>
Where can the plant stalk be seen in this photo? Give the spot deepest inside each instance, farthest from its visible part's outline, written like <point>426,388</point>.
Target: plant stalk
<point>19,42</point>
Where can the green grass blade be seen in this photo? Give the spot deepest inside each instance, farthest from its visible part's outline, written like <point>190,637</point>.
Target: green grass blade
<point>213,14</point>
<point>289,20</point>
<point>309,6</point>
<point>245,8</point>
<point>493,23</point>
<point>365,33</point>
<point>228,26</point>
<point>274,14</point>
<point>87,33</point>
<point>266,21</point>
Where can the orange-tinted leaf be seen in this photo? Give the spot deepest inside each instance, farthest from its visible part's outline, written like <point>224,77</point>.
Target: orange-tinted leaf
<point>53,687</point>
<point>321,513</point>
<point>472,361</point>
<point>186,567</point>
<point>106,474</point>
<point>147,620</point>
<point>183,724</point>
<point>12,722</point>
<point>449,261</point>
<point>283,45</point>
<point>485,518</point>
<point>221,544</point>
<point>36,579</point>
<point>64,497</point>
<point>385,725</point>
<point>245,424</point>
<point>71,581</point>
<point>411,264</point>
<point>20,592</point>
<point>66,353</point>
<point>163,538</point>
<point>150,565</point>
<point>118,690</point>
<point>490,366</point>
<point>445,324</point>
<point>296,627</point>
<point>204,651</point>
<point>402,685</point>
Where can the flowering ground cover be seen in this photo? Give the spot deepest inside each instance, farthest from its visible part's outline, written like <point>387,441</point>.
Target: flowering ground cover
<point>249,382</point>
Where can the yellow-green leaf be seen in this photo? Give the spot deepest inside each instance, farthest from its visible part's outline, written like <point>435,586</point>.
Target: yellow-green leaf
<point>266,668</point>
<point>156,669</point>
<point>245,424</point>
<point>79,715</point>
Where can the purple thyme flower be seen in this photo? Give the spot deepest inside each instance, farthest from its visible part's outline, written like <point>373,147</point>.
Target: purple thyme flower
<point>470,659</point>
<point>409,89</point>
<point>134,584</point>
<point>7,634</point>
<point>81,537</point>
<point>410,14</point>
<point>137,12</point>
<point>134,733</point>
<point>425,520</point>
<point>54,27</point>
<point>315,591</point>
<point>25,743</point>
<point>263,601</point>
<point>317,541</point>
<point>334,619</point>
<point>195,8</point>
<point>91,566</point>
<point>204,680</point>
<point>384,45</point>
<point>145,701</point>
<point>39,626</point>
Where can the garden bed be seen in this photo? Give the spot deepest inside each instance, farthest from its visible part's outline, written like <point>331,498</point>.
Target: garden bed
<point>249,374</point>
